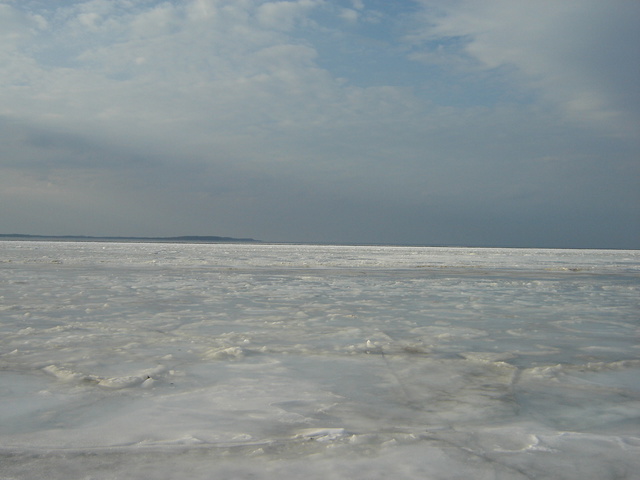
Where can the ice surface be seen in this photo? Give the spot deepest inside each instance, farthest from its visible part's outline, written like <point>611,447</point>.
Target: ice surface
<point>289,361</point>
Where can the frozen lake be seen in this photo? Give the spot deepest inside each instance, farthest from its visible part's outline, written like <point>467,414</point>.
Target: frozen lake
<point>250,361</point>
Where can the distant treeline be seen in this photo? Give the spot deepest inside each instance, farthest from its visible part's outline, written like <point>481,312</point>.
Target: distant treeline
<point>86,238</point>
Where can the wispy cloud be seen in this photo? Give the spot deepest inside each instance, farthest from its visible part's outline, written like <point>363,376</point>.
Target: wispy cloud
<point>578,56</point>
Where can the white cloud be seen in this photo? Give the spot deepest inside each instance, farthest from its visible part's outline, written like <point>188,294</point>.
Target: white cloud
<point>283,15</point>
<point>202,81</point>
<point>579,55</point>
<point>202,10</point>
<point>349,15</point>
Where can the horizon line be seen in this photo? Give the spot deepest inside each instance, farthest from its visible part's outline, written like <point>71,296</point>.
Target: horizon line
<point>221,239</point>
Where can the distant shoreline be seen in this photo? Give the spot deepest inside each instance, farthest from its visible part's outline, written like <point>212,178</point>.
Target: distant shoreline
<point>87,238</point>
<point>204,239</point>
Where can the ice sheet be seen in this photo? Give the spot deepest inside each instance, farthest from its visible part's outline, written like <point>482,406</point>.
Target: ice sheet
<point>288,361</point>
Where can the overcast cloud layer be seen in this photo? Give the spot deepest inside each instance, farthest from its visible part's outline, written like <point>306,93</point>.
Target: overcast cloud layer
<point>493,122</point>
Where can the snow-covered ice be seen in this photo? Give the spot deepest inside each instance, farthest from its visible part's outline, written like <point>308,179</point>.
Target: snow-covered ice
<point>241,361</point>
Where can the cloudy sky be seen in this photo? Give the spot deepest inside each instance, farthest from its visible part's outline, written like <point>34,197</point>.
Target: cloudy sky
<point>466,122</point>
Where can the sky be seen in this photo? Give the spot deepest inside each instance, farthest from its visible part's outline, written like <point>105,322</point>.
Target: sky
<point>430,122</point>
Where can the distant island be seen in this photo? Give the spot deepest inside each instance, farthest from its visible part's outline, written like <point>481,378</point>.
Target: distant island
<point>86,238</point>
